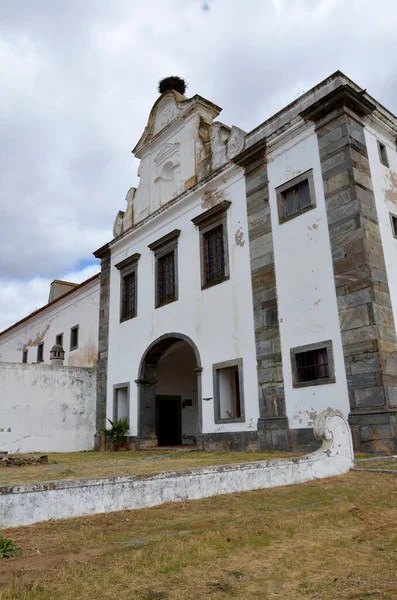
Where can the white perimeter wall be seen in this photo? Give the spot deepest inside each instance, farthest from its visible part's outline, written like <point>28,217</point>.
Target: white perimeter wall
<point>219,320</point>
<point>46,409</point>
<point>79,308</point>
<point>384,182</point>
<point>307,305</point>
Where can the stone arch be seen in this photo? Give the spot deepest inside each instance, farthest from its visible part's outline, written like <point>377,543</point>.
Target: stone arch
<point>146,383</point>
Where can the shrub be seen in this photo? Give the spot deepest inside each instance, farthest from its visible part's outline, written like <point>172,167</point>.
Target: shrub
<point>8,548</point>
<point>117,430</point>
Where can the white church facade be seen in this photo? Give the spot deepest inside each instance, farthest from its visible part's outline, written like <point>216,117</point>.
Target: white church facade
<point>251,281</point>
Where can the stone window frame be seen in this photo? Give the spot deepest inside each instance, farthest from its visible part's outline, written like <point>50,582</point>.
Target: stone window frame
<point>59,335</point>
<point>126,267</point>
<point>40,352</point>
<point>213,217</point>
<point>74,346</point>
<point>165,245</point>
<point>281,190</point>
<point>236,362</point>
<point>393,222</point>
<point>24,356</point>
<point>116,387</point>
<point>327,344</point>
<point>382,152</point>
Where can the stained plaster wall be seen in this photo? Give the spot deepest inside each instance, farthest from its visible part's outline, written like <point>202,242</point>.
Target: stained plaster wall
<point>219,320</point>
<point>307,306</point>
<point>79,308</point>
<point>384,181</point>
<point>46,409</point>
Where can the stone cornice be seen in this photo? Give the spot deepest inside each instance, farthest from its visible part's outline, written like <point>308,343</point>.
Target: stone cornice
<point>211,214</point>
<point>343,96</point>
<point>171,236</point>
<point>128,261</point>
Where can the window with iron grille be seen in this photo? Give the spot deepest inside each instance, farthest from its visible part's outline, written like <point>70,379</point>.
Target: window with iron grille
<point>128,286</point>
<point>213,256</point>
<point>165,266</point>
<point>295,197</point>
<point>128,296</point>
<point>212,225</point>
<point>313,364</point>
<point>166,272</point>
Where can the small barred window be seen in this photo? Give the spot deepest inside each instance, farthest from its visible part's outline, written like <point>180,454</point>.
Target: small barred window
<point>214,256</point>
<point>128,302</point>
<point>166,278</point>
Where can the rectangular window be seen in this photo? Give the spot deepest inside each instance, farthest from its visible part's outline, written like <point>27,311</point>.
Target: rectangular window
<point>128,296</point>
<point>228,391</point>
<point>59,339</point>
<point>212,225</point>
<point>295,197</point>
<point>129,287</point>
<point>213,256</point>
<point>166,268</point>
<point>121,402</point>
<point>313,364</point>
<point>74,338</point>
<point>40,352</point>
<point>393,221</point>
<point>25,356</point>
<point>383,154</point>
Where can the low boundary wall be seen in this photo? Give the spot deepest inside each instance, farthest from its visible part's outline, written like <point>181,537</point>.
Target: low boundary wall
<point>44,408</point>
<point>64,499</point>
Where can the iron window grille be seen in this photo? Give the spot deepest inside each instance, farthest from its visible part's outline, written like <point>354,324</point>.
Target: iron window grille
<point>166,279</point>
<point>296,197</point>
<point>128,299</point>
<point>313,364</point>
<point>212,225</point>
<point>166,268</point>
<point>213,256</point>
<point>128,286</point>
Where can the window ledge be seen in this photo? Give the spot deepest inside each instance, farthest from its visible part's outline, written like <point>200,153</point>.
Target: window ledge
<point>304,384</point>
<point>237,420</point>
<point>297,214</point>
<point>166,303</point>
<point>210,285</point>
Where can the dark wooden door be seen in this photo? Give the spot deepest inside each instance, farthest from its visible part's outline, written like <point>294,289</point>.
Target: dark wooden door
<point>169,420</point>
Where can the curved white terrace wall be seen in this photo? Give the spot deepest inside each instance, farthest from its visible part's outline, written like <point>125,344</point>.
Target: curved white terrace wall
<point>32,503</point>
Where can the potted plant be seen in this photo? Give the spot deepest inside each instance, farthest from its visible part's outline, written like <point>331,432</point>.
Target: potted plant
<point>116,432</point>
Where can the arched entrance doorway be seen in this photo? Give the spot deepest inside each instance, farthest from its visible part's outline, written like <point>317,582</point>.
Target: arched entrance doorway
<point>169,393</point>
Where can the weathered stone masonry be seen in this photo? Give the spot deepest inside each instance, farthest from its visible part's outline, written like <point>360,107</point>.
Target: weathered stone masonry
<point>364,305</point>
<point>273,422</point>
<point>103,342</point>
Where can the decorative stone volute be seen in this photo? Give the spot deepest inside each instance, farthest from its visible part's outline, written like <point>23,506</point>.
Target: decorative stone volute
<point>57,355</point>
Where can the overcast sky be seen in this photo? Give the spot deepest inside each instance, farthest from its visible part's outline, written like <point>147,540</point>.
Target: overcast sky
<point>79,78</point>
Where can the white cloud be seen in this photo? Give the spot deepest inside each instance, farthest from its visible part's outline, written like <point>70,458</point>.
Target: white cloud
<point>79,79</point>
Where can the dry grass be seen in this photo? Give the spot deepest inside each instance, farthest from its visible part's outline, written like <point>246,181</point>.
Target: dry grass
<point>105,464</point>
<point>326,540</point>
<point>388,463</point>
